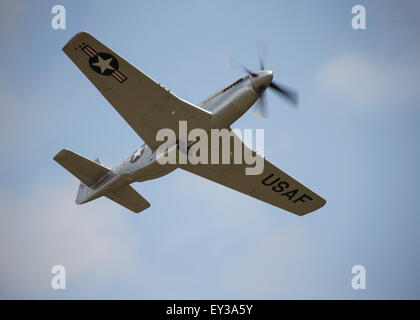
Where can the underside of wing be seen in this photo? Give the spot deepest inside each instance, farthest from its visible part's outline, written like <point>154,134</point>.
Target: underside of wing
<point>272,186</point>
<point>143,103</point>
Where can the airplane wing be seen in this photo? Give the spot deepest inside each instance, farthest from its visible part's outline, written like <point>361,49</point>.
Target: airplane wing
<point>272,185</point>
<point>143,103</point>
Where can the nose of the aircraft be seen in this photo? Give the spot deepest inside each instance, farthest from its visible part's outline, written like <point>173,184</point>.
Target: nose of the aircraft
<point>262,80</point>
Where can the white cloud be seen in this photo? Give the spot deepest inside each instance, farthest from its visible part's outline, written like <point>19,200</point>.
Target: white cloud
<point>362,80</point>
<point>224,246</point>
<point>18,117</point>
<point>43,229</point>
<point>279,267</point>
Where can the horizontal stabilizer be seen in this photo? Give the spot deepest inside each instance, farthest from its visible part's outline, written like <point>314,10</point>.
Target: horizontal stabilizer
<point>128,198</point>
<point>88,171</point>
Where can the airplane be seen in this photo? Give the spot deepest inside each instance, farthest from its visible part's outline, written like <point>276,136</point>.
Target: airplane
<point>147,107</point>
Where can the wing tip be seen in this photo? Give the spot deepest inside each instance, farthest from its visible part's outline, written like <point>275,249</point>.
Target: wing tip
<point>321,203</point>
<point>147,206</point>
<point>60,154</point>
<point>75,38</point>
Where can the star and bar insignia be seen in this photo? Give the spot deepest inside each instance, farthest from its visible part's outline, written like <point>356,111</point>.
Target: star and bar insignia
<point>104,64</point>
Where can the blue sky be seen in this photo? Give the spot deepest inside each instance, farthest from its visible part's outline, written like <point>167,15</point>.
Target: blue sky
<point>354,140</point>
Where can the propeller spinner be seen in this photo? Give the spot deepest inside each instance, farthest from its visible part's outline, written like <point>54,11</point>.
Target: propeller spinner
<point>263,79</point>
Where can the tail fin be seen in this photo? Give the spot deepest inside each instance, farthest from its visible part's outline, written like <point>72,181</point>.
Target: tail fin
<point>90,173</point>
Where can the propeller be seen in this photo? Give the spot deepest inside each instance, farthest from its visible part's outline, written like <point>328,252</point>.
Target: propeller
<point>261,109</point>
<point>290,95</point>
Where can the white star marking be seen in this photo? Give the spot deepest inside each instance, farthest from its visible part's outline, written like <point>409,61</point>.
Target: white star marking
<point>103,64</point>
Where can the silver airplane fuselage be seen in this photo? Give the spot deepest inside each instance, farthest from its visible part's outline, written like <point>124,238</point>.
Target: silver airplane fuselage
<point>225,106</point>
